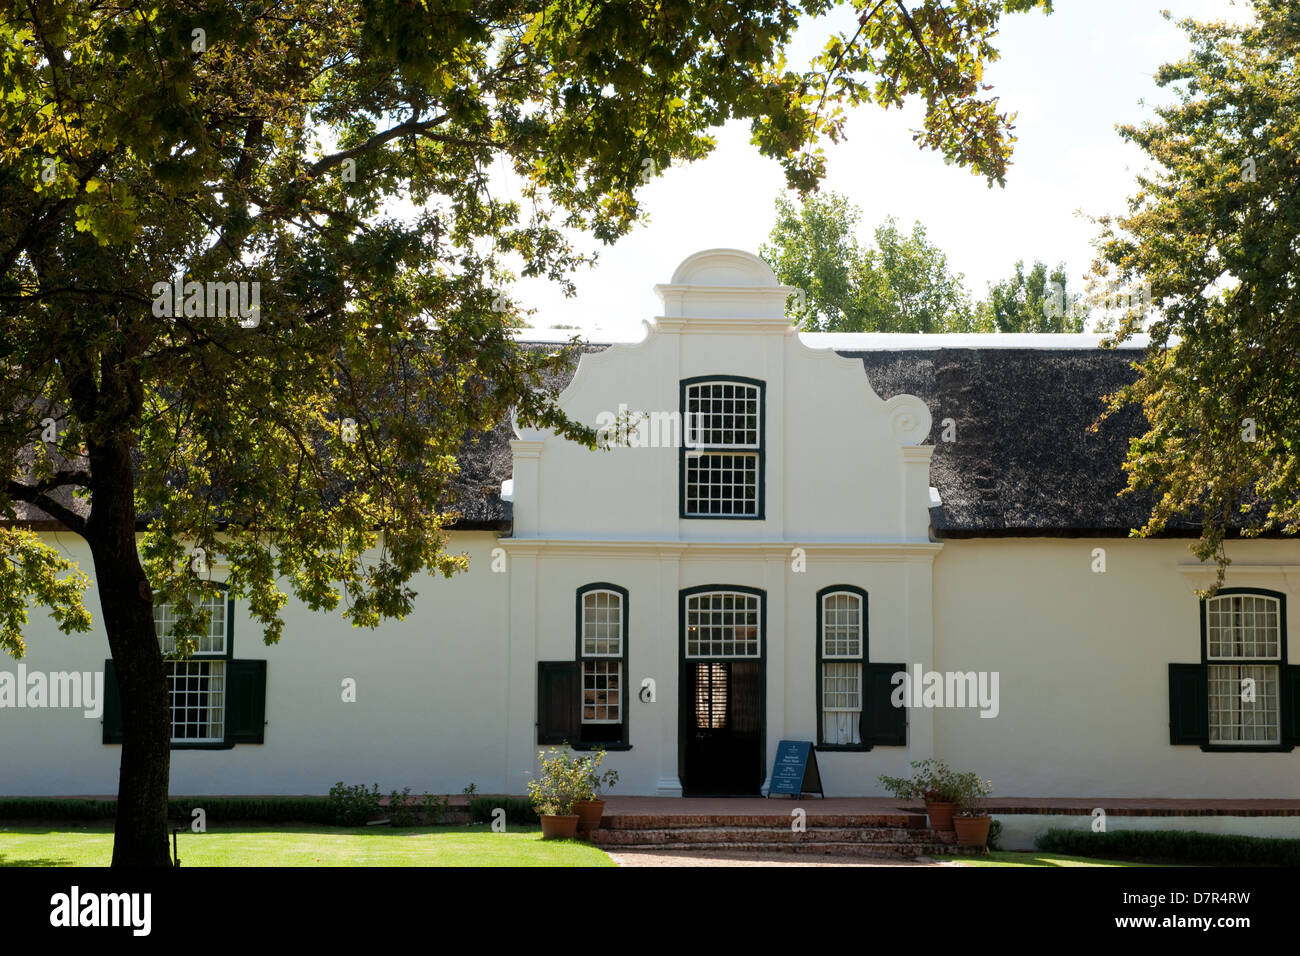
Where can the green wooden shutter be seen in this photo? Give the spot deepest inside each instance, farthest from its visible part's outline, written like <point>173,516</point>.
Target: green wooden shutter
<point>112,706</point>
<point>1189,704</point>
<point>245,702</point>
<point>883,724</point>
<point>1291,704</point>
<point>559,693</point>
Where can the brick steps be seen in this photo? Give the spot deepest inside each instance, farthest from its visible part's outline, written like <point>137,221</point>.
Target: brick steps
<point>891,851</point>
<point>891,835</point>
<point>769,835</point>
<point>780,819</point>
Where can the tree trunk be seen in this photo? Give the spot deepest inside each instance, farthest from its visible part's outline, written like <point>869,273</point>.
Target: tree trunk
<point>126,602</point>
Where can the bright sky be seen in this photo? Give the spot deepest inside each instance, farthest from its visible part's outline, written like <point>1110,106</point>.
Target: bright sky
<point>1071,77</point>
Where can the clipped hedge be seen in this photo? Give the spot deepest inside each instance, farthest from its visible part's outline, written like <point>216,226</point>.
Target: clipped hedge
<point>1174,846</point>
<point>267,809</point>
<point>518,809</point>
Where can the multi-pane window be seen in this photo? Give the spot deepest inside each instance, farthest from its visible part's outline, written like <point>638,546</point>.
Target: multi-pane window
<point>197,684</point>
<point>840,647</point>
<point>602,652</point>
<point>1243,652</point>
<point>722,460</point>
<point>722,624</point>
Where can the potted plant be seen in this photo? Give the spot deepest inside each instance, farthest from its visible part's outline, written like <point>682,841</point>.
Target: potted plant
<point>971,821</point>
<point>592,809</point>
<point>931,782</point>
<point>563,781</point>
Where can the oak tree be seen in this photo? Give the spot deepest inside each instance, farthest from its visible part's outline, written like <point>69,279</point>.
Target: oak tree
<point>251,262</point>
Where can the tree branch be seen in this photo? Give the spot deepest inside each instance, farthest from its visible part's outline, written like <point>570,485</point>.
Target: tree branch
<point>61,513</point>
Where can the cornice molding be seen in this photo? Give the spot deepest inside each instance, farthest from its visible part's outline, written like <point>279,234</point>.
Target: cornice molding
<point>881,551</point>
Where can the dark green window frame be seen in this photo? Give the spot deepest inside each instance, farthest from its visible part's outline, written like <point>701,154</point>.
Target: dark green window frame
<point>243,697</point>
<point>592,739</point>
<point>685,452</point>
<point>880,724</point>
<point>1189,692</point>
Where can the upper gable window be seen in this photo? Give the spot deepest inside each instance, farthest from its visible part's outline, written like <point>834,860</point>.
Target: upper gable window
<point>722,457</point>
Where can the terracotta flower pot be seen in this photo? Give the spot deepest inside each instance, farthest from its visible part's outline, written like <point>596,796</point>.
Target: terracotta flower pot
<point>941,815</point>
<point>589,813</point>
<point>973,831</point>
<point>559,828</point>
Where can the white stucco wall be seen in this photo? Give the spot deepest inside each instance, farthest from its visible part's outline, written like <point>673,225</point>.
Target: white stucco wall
<point>429,714</point>
<point>1083,660</point>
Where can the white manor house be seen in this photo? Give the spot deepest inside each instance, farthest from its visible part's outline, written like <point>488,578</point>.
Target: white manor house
<point>811,515</point>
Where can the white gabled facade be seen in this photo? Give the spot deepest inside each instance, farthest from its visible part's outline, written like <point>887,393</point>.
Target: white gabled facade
<point>615,516</point>
<point>460,691</point>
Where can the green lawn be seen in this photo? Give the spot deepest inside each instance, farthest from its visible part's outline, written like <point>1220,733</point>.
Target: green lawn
<point>1034,858</point>
<point>310,845</point>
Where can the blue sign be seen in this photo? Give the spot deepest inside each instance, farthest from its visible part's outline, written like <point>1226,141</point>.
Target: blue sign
<point>795,770</point>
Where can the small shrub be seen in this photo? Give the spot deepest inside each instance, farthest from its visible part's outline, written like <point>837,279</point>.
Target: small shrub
<point>353,806</point>
<point>228,809</point>
<point>403,809</point>
<point>435,808</point>
<point>518,810</point>
<point>995,834</point>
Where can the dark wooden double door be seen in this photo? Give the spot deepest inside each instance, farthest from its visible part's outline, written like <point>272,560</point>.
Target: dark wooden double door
<point>721,728</point>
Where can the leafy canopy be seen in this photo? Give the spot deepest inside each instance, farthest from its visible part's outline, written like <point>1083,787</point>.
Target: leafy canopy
<point>339,160</point>
<point>1213,229</point>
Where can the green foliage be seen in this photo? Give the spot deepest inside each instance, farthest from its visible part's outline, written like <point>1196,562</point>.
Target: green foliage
<point>435,807</point>
<point>1211,230</point>
<point>599,783</point>
<point>901,284</point>
<point>405,809</point>
<point>1174,846</point>
<point>518,810</point>
<point>995,834</point>
<point>1035,302</point>
<point>332,157</point>
<point>565,779</point>
<point>31,569</point>
<point>353,806</point>
<point>969,791</point>
<point>932,781</point>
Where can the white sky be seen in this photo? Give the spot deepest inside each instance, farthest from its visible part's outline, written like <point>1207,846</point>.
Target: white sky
<point>1070,77</point>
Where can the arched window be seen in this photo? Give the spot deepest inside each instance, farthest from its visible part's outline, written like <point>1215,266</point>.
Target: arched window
<point>1243,695</point>
<point>1243,656</point>
<point>841,652</point>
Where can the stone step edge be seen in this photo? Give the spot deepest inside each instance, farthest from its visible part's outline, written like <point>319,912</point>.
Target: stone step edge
<point>772,835</point>
<point>893,850</point>
<point>619,821</point>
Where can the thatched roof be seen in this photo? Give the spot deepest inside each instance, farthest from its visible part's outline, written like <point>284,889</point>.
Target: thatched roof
<point>1022,463</point>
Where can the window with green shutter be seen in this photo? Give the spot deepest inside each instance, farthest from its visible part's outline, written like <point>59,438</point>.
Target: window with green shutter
<point>1242,696</point>
<point>216,701</point>
<point>855,709</point>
